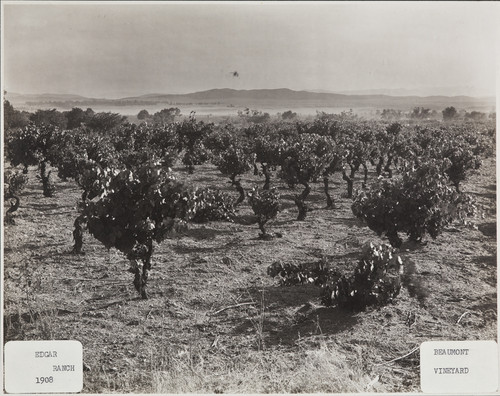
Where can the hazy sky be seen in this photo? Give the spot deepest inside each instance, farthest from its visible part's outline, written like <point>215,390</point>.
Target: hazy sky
<point>113,50</point>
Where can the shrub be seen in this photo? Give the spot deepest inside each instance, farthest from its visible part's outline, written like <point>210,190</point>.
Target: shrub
<point>164,116</point>
<point>35,145</point>
<point>233,162</point>
<point>212,205</point>
<point>289,115</point>
<point>266,205</point>
<point>137,207</point>
<point>13,118</point>
<point>449,113</point>
<point>318,273</point>
<point>143,114</point>
<point>304,160</point>
<point>191,135</point>
<point>376,280</point>
<point>419,202</point>
<point>461,161</point>
<point>14,183</point>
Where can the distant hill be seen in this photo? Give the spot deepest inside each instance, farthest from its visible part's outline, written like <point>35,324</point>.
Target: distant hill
<point>424,91</point>
<point>256,99</point>
<point>45,97</point>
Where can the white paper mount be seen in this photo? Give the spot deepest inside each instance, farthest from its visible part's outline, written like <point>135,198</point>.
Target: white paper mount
<point>43,366</point>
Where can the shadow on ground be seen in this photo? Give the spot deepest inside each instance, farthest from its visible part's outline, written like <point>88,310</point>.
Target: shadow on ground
<point>205,233</point>
<point>308,321</point>
<point>488,229</point>
<point>44,207</point>
<point>289,313</point>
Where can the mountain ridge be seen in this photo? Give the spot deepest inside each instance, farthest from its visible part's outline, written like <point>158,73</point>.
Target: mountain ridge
<point>234,92</point>
<point>279,98</point>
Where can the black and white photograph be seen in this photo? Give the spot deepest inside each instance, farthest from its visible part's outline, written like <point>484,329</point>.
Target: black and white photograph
<point>248,197</point>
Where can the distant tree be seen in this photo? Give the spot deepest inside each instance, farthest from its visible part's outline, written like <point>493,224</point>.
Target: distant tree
<point>475,116</point>
<point>244,113</point>
<point>420,113</point>
<point>258,117</point>
<point>105,121</point>
<point>89,112</point>
<point>76,117</point>
<point>434,115</point>
<point>143,114</point>
<point>166,116</point>
<point>391,114</point>
<point>49,117</point>
<point>449,113</point>
<point>14,118</point>
<point>254,116</point>
<point>288,115</point>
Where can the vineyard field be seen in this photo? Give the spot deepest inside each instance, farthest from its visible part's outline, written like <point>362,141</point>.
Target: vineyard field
<point>249,197</point>
<point>216,322</point>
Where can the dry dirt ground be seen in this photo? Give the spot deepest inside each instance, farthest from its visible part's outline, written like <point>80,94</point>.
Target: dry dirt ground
<point>281,339</point>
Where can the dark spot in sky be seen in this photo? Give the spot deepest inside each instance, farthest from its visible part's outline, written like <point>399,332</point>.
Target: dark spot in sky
<point>235,74</point>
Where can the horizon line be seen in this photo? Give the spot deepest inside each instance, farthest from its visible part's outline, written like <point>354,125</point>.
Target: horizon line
<point>313,91</point>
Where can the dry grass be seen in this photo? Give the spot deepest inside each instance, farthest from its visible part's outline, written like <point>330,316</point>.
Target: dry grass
<point>309,370</point>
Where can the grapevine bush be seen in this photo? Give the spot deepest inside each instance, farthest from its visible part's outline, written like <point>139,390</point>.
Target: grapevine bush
<point>34,145</point>
<point>305,160</point>
<point>461,161</point>
<point>418,202</point>
<point>212,205</point>
<point>221,140</point>
<point>191,136</point>
<point>138,207</point>
<point>318,273</point>
<point>135,145</point>
<point>266,205</point>
<point>376,280</point>
<point>268,146</point>
<point>14,183</point>
<point>233,162</point>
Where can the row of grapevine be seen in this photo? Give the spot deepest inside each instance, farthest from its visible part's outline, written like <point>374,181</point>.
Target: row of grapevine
<point>304,151</point>
<point>131,198</point>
